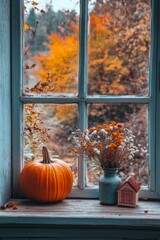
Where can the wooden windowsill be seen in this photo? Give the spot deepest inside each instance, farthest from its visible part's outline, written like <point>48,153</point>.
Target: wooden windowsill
<point>82,212</point>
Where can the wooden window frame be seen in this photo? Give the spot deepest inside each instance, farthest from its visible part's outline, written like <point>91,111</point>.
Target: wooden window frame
<point>18,99</point>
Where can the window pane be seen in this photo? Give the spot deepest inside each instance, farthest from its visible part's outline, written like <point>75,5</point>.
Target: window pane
<point>50,125</point>
<point>135,118</point>
<point>51,42</point>
<point>119,42</point>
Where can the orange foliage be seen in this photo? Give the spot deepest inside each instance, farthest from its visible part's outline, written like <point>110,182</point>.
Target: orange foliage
<point>36,134</point>
<point>114,44</point>
<point>58,70</point>
<point>66,111</point>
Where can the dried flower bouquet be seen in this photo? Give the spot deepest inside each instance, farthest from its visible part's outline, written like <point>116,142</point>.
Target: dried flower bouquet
<point>109,144</point>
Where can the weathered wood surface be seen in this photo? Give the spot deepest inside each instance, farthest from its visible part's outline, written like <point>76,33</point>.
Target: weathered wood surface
<point>80,219</point>
<point>5,99</point>
<point>83,212</point>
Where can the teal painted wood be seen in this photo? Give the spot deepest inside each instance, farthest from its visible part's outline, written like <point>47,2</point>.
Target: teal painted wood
<point>64,238</point>
<point>152,93</point>
<point>16,238</point>
<point>145,193</point>
<point>80,219</point>
<point>17,54</point>
<point>5,106</point>
<point>82,116</point>
<point>82,88</point>
<point>157,70</point>
<point>87,99</point>
<point>92,232</point>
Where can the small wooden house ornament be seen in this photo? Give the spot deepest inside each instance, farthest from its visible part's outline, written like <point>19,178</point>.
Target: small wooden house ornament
<point>128,193</point>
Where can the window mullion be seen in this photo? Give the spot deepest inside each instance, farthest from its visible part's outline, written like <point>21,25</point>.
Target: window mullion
<point>82,162</point>
<point>152,93</point>
<point>82,87</point>
<point>156,74</point>
<point>16,59</point>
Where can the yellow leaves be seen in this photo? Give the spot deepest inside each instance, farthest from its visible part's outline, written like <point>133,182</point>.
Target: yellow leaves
<point>32,4</point>
<point>91,129</point>
<point>143,49</point>
<point>35,3</point>
<point>116,87</point>
<point>34,129</point>
<point>113,64</point>
<point>27,27</point>
<point>113,123</point>
<point>61,63</point>
<point>65,112</point>
<point>112,146</point>
<point>120,125</point>
<point>100,145</point>
<point>98,127</point>
<point>114,134</point>
<point>89,144</point>
<point>72,150</point>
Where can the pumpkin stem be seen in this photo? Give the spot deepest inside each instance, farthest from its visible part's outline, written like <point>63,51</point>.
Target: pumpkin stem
<point>46,157</point>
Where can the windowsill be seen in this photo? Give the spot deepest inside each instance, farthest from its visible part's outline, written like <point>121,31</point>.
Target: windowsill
<point>90,213</point>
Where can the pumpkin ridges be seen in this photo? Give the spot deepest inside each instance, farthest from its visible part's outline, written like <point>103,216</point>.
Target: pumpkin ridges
<point>58,183</point>
<point>37,192</point>
<point>46,182</point>
<point>63,193</point>
<point>61,184</point>
<point>68,186</point>
<point>27,179</point>
<point>55,182</point>
<point>69,173</point>
<point>40,177</point>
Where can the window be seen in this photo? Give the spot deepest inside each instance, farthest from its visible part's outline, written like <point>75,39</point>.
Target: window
<point>111,56</point>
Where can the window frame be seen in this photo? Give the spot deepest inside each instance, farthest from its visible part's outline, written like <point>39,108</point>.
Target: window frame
<point>18,99</point>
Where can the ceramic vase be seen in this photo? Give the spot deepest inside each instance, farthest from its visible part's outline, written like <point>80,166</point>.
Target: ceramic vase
<point>108,185</point>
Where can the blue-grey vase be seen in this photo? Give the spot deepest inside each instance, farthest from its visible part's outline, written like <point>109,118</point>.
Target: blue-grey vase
<point>108,185</point>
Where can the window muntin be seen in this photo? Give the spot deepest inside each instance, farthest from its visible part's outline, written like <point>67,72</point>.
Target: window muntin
<point>82,93</point>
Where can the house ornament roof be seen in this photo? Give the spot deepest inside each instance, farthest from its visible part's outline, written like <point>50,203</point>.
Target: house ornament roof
<point>132,183</point>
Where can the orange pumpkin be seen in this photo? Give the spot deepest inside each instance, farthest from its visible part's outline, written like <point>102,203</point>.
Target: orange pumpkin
<point>46,181</point>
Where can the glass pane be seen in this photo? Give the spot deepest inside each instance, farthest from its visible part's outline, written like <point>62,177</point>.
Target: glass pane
<point>119,43</point>
<point>50,125</point>
<point>51,42</point>
<point>135,118</point>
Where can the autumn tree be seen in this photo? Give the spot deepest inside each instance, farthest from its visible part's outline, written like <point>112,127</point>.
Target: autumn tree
<point>58,70</point>
<point>128,23</point>
<point>117,51</point>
